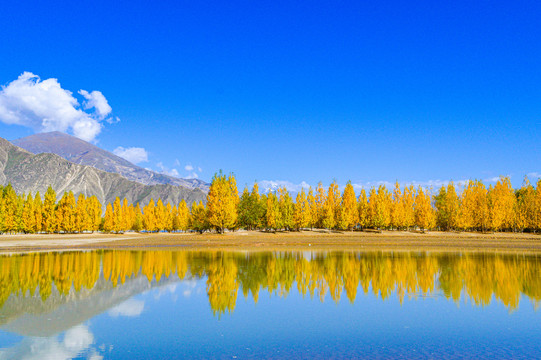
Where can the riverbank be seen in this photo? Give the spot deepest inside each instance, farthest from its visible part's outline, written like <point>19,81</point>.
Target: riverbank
<point>256,240</point>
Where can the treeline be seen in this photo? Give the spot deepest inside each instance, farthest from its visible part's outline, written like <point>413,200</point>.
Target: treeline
<point>481,277</point>
<point>476,207</point>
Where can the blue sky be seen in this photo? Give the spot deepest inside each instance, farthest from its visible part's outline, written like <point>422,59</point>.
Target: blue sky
<point>295,91</point>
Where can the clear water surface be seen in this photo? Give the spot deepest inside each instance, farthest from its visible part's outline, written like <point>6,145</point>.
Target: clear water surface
<point>241,305</point>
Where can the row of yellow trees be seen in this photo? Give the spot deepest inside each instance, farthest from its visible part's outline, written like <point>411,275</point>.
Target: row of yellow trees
<point>30,214</point>
<point>476,207</point>
<point>481,278</point>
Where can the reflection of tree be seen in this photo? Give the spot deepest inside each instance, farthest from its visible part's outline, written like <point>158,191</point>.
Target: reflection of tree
<point>481,277</point>
<point>222,285</point>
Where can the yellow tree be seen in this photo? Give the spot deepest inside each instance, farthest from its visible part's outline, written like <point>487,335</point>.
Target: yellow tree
<point>161,215</point>
<point>286,208</point>
<point>199,218</point>
<point>183,216</point>
<point>169,217</point>
<point>441,202</point>
<point>2,212</point>
<point>474,210</point>
<point>245,210</point>
<point>222,202</point>
<point>331,206</point>
<point>49,217</point>
<point>364,217</point>
<point>273,212</point>
<point>108,223</point>
<point>81,214</point>
<point>525,217</point>
<point>467,207</point>
<point>349,209</point>
<point>502,204</point>
<point>94,211</point>
<point>258,207</point>
<point>538,205</point>
<point>320,200</point>
<point>38,215</point>
<point>127,214</point>
<point>234,199</point>
<point>149,217</point>
<point>19,226</point>
<point>10,209</point>
<point>397,208</point>
<point>379,207</point>
<point>453,205</point>
<point>302,211</point>
<point>481,212</point>
<point>313,208</point>
<point>65,213</point>
<point>424,213</point>
<point>175,223</point>
<point>137,219</point>
<point>408,203</point>
<point>118,220</point>
<point>129,217</point>
<point>29,218</point>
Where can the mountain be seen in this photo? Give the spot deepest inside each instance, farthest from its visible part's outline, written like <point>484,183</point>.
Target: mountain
<point>30,173</point>
<point>81,152</point>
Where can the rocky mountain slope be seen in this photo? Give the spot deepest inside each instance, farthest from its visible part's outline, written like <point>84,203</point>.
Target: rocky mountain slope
<point>30,173</point>
<point>81,152</point>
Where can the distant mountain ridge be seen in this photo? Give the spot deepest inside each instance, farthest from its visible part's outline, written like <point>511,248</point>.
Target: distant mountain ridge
<point>81,152</point>
<point>29,173</point>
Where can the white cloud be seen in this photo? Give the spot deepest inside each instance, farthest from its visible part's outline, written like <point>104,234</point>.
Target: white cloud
<point>192,175</point>
<point>534,175</point>
<point>96,100</point>
<point>177,162</point>
<point>129,308</point>
<point>492,179</point>
<point>273,185</point>
<point>188,167</point>
<point>113,119</point>
<point>425,184</point>
<point>165,170</point>
<point>199,169</point>
<point>134,155</point>
<point>44,105</point>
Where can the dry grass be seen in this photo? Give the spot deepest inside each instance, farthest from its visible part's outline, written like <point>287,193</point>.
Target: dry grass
<point>255,240</point>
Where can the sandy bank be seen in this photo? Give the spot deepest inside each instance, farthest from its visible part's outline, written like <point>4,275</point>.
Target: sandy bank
<point>255,240</point>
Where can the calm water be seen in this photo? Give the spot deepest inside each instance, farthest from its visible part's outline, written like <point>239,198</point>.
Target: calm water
<point>184,304</point>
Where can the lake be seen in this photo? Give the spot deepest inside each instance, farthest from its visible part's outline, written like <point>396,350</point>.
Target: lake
<point>116,304</point>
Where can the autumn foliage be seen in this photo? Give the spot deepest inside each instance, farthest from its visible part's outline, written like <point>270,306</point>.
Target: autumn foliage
<point>471,207</point>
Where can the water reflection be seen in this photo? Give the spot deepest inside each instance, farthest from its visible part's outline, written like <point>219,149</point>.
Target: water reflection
<point>86,283</point>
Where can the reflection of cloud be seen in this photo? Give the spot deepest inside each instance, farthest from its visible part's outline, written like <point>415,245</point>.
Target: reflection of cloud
<point>130,308</point>
<point>76,342</point>
<point>95,356</point>
<point>190,286</point>
<point>170,288</point>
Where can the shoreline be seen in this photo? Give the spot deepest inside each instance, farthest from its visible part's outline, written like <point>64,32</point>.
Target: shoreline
<point>316,240</point>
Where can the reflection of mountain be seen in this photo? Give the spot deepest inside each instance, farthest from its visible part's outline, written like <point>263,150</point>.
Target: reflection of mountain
<point>32,316</point>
